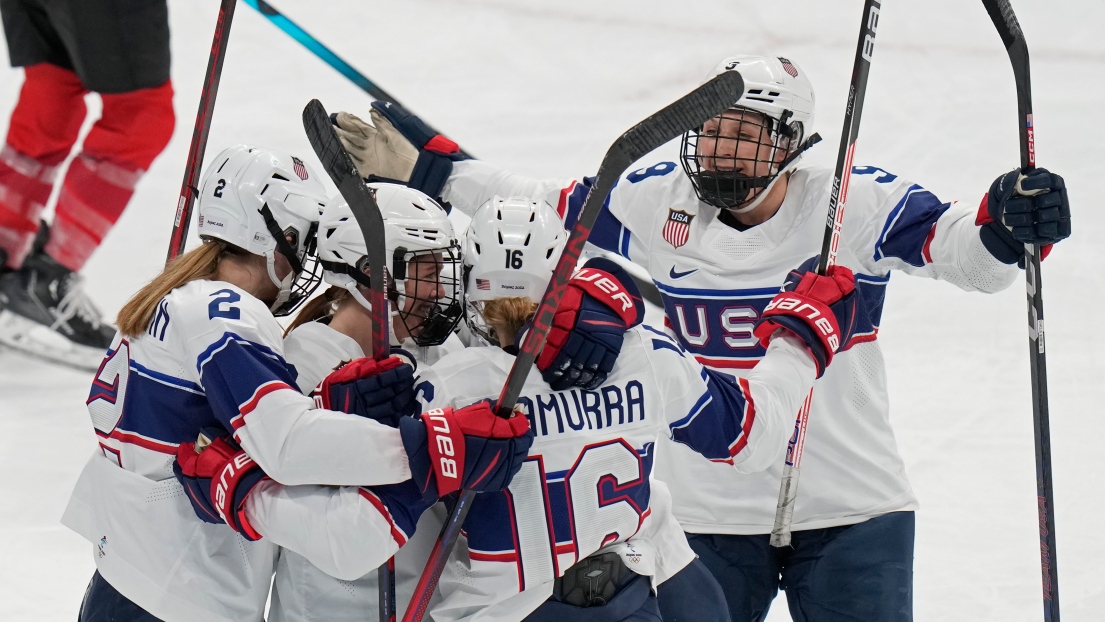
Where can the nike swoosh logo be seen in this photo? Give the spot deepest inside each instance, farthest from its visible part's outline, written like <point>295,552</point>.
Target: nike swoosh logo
<point>678,275</point>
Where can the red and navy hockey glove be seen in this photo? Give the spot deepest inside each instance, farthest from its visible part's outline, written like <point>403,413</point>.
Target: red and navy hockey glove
<point>601,303</point>
<point>436,153</point>
<point>819,310</point>
<point>1024,209</point>
<point>217,479</point>
<point>383,391</point>
<point>469,448</point>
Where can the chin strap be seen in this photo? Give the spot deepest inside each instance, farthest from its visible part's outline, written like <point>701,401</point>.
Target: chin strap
<point>784,166</point>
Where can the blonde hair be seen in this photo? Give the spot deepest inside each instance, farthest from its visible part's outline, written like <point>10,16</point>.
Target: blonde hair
<point>198,263</point>
<point>319,307</point>
<point>507,315</point>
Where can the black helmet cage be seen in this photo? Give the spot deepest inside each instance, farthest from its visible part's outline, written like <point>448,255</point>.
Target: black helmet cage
<point>724,186</point>
<point>299,249</point>
<point>429,321</point>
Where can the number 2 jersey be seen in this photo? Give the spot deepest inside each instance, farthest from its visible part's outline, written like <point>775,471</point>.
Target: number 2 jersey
<point>716,280</point>
<point>212,357</point>
<point>587,484</point>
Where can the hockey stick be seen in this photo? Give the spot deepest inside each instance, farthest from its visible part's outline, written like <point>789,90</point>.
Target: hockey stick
<point>1001,13</point>
<point>338,165</point>
<point>326,54</point>
<point>293,30</point>
<point>861,67</point>
<point>690,111</point>
<point>188,188</point>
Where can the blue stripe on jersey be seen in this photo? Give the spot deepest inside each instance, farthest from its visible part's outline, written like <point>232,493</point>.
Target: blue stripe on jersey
<point>162,411</point>
<point>908,226</point>
<point>172,381</point>
<point>233,368</point>
<point>712,428</point>
<point>575,201</point>
<point>609,233</point>
<point>727,294</point>
<point>404,502</point>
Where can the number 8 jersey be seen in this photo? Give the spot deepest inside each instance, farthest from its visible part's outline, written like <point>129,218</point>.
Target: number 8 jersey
<point>587,484</point>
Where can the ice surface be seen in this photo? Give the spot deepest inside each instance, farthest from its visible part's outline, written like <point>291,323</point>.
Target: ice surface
<point>543,88</point>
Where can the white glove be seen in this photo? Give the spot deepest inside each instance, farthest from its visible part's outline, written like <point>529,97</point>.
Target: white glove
<point>382,150</point>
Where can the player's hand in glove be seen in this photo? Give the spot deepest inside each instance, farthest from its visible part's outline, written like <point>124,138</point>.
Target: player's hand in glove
<point>600,304</point>
<point>397,147</point>
<point>819,310</point>
<point>1024,209</point>
<point>469,448</point>
<point>383,390</point>
<point>217,478</point>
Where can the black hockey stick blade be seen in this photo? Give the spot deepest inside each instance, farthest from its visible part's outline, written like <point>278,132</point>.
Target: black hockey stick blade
<point>1005,21</point>
<point>690,111</point>
<point>339,166</point>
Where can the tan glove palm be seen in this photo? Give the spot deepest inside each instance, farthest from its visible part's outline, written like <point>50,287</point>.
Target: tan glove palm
<point>377,148</point>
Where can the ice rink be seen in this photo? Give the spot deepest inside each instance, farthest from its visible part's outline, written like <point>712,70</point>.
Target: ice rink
<point>543,88</point>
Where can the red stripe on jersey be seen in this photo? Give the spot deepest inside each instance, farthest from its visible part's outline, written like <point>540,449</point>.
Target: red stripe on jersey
<point>506,556</point>
<point>749,417</point>
<point>727,363</point>
<point>141,441</point>
<point>562,205</point>
<point>396,533</point>
<point>926,252</point>
<point>251,404</point>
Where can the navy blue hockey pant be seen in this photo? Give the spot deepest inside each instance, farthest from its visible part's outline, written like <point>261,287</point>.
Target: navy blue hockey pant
<point>854,573</point>
<point>103,603</point>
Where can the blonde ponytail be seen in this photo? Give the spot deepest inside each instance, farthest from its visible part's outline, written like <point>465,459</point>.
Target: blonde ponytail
<point>507,315</point>
<point>198,263</point>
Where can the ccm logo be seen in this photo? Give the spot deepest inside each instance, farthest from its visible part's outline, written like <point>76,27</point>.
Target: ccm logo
<point>605,285</point>
<point>801,308</point>
<point>230,472</point>
<point>439,424</point>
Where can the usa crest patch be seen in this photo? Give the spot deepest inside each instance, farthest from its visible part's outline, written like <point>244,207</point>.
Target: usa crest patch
<point>789,67</point>
<point>300,170</point>
<point>677,229</point>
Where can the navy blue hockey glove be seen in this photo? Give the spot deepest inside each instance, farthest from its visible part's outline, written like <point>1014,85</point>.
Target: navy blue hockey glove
<point>469,448</point>
<point>601,303</point>
<point>383,391</point>
<point>819,310</point>
<point>217,478</point>
<point>1019,210</point>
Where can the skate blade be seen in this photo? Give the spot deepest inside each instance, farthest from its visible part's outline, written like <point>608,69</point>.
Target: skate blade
<point>34,339</point>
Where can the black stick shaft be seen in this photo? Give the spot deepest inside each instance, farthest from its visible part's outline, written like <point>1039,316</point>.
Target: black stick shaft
<point>857,89</point>
<point>691,111</point>
<point>189,188</point>
<point>1001,13</point>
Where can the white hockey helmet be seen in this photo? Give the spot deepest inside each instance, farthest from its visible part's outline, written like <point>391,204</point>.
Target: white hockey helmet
<point>781,93</point>
<point>510,250</point>
<point>417,231</point>
<point>264,201</point>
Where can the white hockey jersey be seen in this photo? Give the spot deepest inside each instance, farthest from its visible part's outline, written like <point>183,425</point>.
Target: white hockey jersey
<point>587,484</point>
<point>715,282</point>
<point>302,591</point>
<point>211,357</point>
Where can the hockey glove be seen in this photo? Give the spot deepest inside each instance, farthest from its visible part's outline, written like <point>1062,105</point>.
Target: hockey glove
<point>468,448</point>
<point>217,478</point>
<point>382,391</point>
<point>601,303</point>
<point>1024,209</point>
<point>819,310</point>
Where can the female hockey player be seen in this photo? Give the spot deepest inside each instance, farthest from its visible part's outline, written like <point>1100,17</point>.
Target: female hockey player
<point>583,532</point>
<point>424,288</point>
<point>741,213</point>
<point>199,349</point>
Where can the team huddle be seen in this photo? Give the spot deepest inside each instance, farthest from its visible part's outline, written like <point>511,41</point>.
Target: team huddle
<point>244,470</point>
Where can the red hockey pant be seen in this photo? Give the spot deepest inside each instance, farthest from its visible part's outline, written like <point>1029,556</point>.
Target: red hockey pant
<point>131,132</point>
